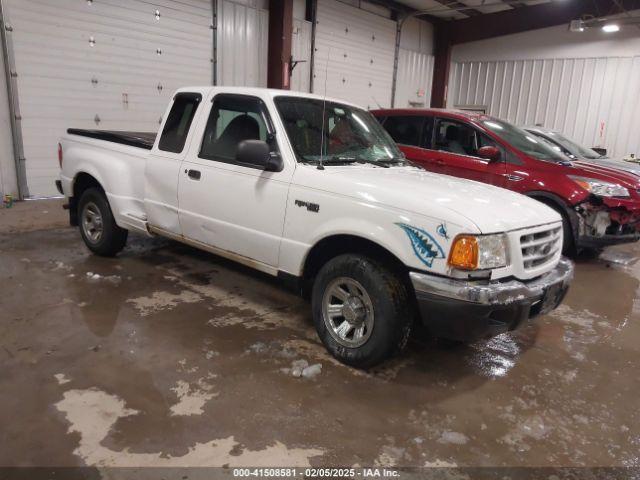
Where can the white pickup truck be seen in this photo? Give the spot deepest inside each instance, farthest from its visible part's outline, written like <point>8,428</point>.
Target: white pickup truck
<point>314,191</point>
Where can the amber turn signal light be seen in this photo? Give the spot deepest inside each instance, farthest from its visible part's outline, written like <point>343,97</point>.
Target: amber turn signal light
<point>464,253</point>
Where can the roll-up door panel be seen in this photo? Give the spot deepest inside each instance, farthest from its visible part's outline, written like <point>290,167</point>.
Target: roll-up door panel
<point>107,64</point>
<point>354,54</point>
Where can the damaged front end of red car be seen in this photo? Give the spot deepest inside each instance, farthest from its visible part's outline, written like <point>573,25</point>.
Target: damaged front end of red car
<point>601,222</point>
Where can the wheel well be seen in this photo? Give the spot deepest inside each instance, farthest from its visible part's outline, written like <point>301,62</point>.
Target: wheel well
<point>551,201</point>
<point>331,247</point>
<point>82,182</point>
<point>558,204</point>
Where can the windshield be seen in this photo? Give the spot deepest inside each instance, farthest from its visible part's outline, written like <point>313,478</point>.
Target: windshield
<point>573,147</point>
<point>524,141</point>
<point>345,135</point>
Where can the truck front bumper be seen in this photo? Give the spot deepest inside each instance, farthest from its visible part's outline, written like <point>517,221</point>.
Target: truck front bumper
<point>470,310</point>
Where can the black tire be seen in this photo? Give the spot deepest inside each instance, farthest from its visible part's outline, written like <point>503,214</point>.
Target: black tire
<point>568,243</point>
<point>112,238</point>
<point>392,310</point>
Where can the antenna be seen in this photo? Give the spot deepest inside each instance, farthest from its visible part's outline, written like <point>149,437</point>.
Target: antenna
<point>324,107</point>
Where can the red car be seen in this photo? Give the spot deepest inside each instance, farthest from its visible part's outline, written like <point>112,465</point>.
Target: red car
<point>599,206</point>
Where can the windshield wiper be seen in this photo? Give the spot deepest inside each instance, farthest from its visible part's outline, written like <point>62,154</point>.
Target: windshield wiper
<point>349,160</point>
<point>377,163</point>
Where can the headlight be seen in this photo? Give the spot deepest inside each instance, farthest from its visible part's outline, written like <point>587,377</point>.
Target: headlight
<point>601,188</point>
<point>478,252</point>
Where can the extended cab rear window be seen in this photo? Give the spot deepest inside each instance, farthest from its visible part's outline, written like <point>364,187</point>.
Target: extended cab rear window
<point>176,128</point>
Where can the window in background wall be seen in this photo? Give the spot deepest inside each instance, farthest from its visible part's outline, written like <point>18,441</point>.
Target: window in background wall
<point>472,108</point>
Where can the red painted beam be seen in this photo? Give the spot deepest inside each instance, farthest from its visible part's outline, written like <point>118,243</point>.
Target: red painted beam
<point>279,49</point>
<point>441,65</point>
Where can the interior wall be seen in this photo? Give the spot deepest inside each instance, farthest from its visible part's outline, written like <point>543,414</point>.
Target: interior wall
<point>242,42</point>
<point>586,85</point>
<point>415,65</point>
<point>8,180</point>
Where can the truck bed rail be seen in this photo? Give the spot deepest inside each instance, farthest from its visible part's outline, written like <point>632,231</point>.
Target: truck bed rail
<point>133,139</point>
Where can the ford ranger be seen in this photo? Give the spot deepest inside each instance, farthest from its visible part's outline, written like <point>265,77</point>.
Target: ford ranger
<point>314,191</point>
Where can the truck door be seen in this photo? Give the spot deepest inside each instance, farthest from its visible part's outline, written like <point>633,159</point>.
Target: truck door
<point>455,146</point>
<point>234,208</point>
<point>163,164</point>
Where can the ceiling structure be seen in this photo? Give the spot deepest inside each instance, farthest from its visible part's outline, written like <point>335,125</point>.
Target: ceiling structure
<point>458,10</point>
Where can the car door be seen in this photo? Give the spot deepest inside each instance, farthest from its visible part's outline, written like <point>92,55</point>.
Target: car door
<point>163,163</point>
<point>456,144</point>
<point>232,207</point>
<point>413,135</point>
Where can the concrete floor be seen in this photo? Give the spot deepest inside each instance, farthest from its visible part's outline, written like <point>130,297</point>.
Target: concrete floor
<point>168,356</point>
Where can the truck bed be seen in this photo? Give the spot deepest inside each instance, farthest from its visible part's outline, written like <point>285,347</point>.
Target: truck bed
<point>133,139</point>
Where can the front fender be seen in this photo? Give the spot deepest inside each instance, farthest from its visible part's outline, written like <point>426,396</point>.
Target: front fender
<point>419,242</point>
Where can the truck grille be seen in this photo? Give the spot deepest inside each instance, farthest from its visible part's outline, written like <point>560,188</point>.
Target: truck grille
<point>540,247</point>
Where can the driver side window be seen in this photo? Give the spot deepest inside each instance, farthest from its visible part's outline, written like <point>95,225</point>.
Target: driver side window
<point>459,138</point>
<point>233,119</point>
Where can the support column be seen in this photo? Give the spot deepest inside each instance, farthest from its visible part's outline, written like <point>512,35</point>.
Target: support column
<point>279,52</point>
<point>441,66</point>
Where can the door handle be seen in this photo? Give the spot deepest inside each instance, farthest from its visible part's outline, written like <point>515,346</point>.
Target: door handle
<point>512,178</point>
<point>194,174</point>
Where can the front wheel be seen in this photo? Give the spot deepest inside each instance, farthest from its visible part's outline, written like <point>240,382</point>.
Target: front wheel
<point>98,228</point>
<point>361,310</point>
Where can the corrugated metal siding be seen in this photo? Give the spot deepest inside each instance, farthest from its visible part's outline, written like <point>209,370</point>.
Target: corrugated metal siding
<point>243,39</point>
<point>355,50</point>
<point>135,63</point>
<point>301,50</point>
<point>592,100</point>
<point>8,180</point>
<point>415,77</point>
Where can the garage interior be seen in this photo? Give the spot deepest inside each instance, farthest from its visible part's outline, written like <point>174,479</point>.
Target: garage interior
<point>165,356</point>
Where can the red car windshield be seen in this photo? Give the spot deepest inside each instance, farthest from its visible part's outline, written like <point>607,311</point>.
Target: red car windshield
<point>522,140</point>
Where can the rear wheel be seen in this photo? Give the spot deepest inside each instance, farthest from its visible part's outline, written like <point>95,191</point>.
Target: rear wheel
<point>361,310</point>
<point>98,228</point>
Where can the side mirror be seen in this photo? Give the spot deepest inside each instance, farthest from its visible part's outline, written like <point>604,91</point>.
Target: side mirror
<point>600,150</point>
<point>490,153</point>
<point>256,153</point>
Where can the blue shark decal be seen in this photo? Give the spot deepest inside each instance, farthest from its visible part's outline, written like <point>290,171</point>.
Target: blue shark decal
<point>442,231</point>
<point>424,245</point>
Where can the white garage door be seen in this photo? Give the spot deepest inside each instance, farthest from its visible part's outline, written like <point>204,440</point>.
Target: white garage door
<point>108,64</point>
<point>360,48</point>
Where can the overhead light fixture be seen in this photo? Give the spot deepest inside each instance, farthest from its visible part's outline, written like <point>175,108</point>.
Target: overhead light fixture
<point>611,28</point>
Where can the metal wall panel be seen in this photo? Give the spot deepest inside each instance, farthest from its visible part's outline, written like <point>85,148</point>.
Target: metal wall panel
<point>8,179</point>
<point>415,77</point>
<point>109,64</point>
<point>243,40</point>
<point>301,52</point>
<point>592,100</point>
<point>354,54</point>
